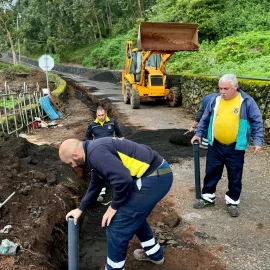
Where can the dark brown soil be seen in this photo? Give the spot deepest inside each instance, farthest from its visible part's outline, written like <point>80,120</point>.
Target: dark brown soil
<point>16,81</point>
<point>47,189</point>
<point>43,187</point>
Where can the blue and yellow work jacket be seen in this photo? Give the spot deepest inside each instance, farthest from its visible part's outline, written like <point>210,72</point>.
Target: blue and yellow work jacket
<point>109,128</point>
<point>251,124</point>
<point>119,162</point>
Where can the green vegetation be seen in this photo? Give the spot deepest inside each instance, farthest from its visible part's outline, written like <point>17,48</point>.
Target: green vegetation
<point>233,34</point>
<point>8,103</point>
<point>246,54</point>
<point>107,54</point>
<point>18,68</point>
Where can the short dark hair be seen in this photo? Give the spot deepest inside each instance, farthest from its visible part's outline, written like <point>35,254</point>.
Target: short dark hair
<point>100,108</point>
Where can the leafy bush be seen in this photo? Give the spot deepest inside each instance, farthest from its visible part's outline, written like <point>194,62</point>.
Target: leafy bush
<point>247,54</point>
<point>216,19</point>
<point>18,68</point>
<point>3,66</point>
<point>109,53</point>
<point>8,104</point>
<point>76,56</point>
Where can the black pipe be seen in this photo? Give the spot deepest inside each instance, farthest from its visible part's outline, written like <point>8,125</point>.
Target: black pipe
<point>73,245</point>
<point>196,151</point>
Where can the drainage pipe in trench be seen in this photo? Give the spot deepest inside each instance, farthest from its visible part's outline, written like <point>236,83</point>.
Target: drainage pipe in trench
<point>196,151</point>
<point>73,245</point>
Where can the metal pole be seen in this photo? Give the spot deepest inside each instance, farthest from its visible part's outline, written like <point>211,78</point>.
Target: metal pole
<point>46,71</point>
<point>196,151</point>
<point>19,49</point>
<point>73,245</point>
<point>47,79</point>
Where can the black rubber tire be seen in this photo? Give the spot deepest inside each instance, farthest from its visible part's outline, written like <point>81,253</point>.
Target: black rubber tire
<point>177,97</point>
<point>127,89</point>
<point>135,99</point>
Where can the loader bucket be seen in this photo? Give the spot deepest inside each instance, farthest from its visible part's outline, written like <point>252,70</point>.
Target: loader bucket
<point>166,36</point>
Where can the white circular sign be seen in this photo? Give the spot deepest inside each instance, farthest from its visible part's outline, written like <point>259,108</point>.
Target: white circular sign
<point>46,62</point>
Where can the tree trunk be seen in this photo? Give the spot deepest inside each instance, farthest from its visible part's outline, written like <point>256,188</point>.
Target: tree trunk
<point>98,26</point>
<point>140,8</point>
<point>12,48</point>
<point>109,18</point>
<point>93,31</point>
<point>11,43</point>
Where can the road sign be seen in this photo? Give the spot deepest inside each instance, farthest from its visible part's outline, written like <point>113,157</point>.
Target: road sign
<point>46,62</point>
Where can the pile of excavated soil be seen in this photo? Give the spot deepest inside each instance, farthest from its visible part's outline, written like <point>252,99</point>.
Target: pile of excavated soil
<point>16,80</point>
<point>170,143</point>
<point>105,76</point>
<point>102,76</point>
<point>44,188</point>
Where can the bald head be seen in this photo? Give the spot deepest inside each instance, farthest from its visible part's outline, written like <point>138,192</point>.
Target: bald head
<point>71,152</point>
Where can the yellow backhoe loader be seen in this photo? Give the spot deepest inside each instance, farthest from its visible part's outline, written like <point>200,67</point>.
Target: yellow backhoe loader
<point>144,78</point>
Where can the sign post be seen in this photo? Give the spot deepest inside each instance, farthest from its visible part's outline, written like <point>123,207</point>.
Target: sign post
<point>46,63</point>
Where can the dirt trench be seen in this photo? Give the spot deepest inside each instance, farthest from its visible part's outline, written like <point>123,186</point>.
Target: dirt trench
<point>47,189</point>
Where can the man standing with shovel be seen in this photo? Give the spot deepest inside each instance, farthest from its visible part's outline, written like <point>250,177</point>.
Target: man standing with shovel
<point>232,118</point>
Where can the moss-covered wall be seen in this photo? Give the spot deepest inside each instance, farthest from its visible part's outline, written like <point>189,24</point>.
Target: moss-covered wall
<point>61,85</point>
<point>195,87</point>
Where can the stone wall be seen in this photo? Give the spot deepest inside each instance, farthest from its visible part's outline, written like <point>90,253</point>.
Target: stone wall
<point>195,87</point>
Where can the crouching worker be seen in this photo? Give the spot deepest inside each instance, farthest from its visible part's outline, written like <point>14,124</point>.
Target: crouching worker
<point>140,178</point>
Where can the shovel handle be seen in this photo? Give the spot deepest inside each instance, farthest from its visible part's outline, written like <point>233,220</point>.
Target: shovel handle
<point>1,204</point>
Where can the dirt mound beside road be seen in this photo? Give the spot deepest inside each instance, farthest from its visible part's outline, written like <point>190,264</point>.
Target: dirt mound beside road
<point>42,185</point>
<point>170,143</point>
<point>102,76</point>
<point>105,76</point>
<point>16,80</point>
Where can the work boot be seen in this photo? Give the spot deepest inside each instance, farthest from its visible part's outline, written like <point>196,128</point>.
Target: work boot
<point>203,203</point>
<point>100,198</point>
<point>140,255</point>
<point>233,210</point>
<point>203,146</point>
<point>101,195</point>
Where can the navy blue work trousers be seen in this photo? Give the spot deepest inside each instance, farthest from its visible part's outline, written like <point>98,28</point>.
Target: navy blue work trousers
<point>130,220</point>
<point>219,155</point>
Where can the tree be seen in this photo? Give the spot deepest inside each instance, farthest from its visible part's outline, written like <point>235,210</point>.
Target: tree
<point>6,25</point>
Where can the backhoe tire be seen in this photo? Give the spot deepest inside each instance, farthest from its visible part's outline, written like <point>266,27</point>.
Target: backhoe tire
<point>176,97</point>
<point>127,90</point>
<point>135,99</point>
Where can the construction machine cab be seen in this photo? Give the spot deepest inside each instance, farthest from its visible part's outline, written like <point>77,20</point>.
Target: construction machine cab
<point>144,78</point>
<point>136,63</point>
